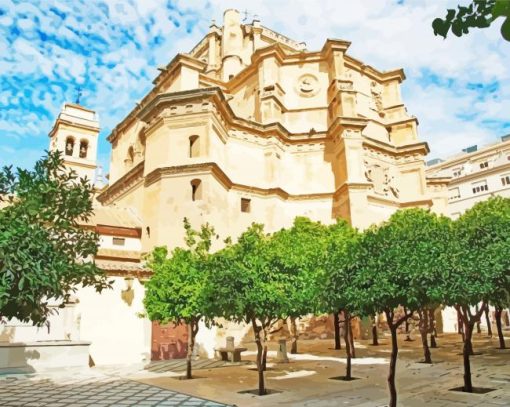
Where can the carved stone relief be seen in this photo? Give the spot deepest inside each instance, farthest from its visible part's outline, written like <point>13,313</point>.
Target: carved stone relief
<point>307,85</point>
<point>382,179</point>
<point>376,96</point>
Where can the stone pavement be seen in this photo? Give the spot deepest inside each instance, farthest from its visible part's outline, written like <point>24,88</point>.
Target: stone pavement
<point>95,390</point>
<point>306,380</point>
<point>179,365</point>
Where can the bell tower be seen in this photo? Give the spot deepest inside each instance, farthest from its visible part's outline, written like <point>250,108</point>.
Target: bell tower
<point>75,134</point>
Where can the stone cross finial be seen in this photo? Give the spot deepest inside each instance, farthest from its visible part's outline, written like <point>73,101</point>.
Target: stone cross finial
<point>78,95</point>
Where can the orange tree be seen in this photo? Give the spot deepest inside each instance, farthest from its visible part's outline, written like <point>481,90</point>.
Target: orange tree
<point>336,278</point>
<point>44,251</point>
<point>397,265</point>
<point>245,288</point>
<point>176,291</point>
<point>479,269</point>
<point>298,254</point>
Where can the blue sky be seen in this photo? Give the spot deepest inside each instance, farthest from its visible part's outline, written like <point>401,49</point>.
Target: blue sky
<point>458,88</point>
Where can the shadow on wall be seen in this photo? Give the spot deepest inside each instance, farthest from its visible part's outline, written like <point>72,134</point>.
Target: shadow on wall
<point>15,358</point>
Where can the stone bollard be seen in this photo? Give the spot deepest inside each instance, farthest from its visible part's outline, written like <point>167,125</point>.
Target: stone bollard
<point>281,355</point>
<point>230,343</point>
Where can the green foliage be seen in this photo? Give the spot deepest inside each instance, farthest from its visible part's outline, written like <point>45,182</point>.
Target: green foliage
<point>175,292</point>
<point>399,263</point>
<point>478,14</point>
<point>242,283</point>
<point>298,255</point>
<point>480,270</point>
<point>338,269</point>
<point>43,250</point>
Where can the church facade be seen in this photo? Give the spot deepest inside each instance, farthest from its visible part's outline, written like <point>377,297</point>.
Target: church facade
<point>249,126</point>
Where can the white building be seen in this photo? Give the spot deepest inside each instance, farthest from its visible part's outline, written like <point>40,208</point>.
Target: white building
<point>476,174</point>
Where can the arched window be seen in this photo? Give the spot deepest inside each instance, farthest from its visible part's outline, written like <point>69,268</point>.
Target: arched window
<point>69,145</point>
<point>196,190</point>
<point>84,146</point>
<point>194,146</point>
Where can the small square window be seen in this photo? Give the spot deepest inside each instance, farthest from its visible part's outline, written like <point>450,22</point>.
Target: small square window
<point>245,205</point>
<point>485,164</point>
<point>119,241</point>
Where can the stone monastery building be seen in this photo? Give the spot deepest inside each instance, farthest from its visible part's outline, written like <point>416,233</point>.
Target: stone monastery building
<point>247,126</point>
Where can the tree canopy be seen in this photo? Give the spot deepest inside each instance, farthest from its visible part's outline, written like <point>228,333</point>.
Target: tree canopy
<point>44,252</point>
<point>478,14</point>
<point>298,253</point>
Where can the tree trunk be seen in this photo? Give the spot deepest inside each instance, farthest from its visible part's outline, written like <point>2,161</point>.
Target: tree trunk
<point>192,332</point>
<point>260,370</point>
<point>468,385</point>
<point>338,345</point>
<point>351,338</point>
<point>393,363</point>
<point>264,354</point>
<point>294,335</point>
<point>432,329</point>
<point>264,358</point>
<point>433,343</point>
<point>408,332</point>
<point>488,321</point>
<point>478,327</point>
<point>460,325</point>
<point>499,311</point>
<point>375,340</point>
<point>469,343</point>
<point>347,339</point>
<point>424,328</point>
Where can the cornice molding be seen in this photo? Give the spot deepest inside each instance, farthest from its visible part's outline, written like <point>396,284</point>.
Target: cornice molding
<point>480,174</point>
<point>216,95</point>
<point>59,121</point>
<point>406,149</point>
<point>126,182</point>
<point>219,175</point>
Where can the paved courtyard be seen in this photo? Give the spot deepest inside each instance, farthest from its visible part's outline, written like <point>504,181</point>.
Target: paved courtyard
<point>306,381</point>
<point>92,391</point>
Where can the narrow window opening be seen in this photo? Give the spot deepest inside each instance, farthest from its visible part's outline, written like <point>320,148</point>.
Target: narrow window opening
<point>245,205</point>
<point>194,146</point>
<point>196,190</point>
<point>84,146</point>
<point>69,146</point>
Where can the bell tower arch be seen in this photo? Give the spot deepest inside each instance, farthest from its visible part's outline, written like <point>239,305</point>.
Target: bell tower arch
<point>75,134</point>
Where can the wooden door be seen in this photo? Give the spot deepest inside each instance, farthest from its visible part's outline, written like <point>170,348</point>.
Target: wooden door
<point>169,341</point>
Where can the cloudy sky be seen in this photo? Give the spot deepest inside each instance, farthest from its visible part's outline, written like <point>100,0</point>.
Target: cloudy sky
<point>459,88</point>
